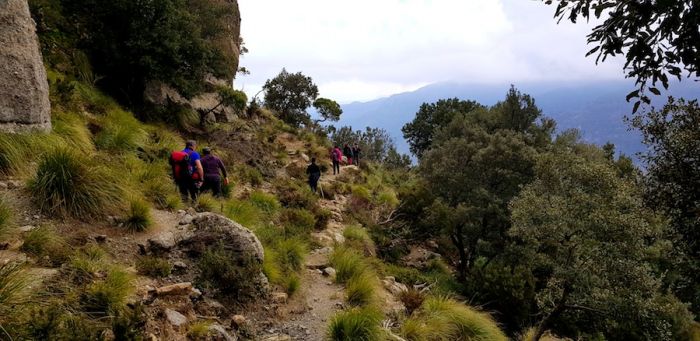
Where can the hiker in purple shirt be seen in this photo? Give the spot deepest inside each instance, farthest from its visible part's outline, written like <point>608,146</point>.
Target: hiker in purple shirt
<point>213,168</point>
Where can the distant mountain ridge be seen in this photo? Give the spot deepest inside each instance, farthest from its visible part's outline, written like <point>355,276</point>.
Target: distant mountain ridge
<point>596,108</point>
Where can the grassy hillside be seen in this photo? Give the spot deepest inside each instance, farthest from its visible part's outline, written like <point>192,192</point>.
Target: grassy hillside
<point>103,175</point>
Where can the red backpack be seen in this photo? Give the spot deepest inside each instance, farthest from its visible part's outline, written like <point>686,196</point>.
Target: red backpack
<point>180,162</point>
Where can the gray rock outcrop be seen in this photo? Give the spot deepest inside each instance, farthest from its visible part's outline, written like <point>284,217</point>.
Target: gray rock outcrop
<point>24,90</point>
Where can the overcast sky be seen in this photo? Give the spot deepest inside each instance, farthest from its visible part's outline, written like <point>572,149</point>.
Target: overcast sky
<point>361,50</point>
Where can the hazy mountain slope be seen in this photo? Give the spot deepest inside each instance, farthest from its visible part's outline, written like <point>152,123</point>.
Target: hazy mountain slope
<point>595,108</point>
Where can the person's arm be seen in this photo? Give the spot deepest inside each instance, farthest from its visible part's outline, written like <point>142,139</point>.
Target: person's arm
<point>200,170</point>
<point>222,168</point>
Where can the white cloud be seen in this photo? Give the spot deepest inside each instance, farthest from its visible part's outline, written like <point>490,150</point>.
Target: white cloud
<point>359,50</point>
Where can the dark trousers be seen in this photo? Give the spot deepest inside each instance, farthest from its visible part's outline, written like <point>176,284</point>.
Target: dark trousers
<point>187,188</point>
<point>213,184</point>
<point>313,181</point>
<point>336,167</point>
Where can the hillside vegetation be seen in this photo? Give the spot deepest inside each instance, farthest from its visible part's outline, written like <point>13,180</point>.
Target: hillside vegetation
<point>503,230</point>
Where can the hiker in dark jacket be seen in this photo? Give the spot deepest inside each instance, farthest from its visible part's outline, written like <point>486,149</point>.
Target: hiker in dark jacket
<point>314,173</point>
<point>348,153</point>
<point>187,170</point>
<point>213,169</point>
<point>356,154</point>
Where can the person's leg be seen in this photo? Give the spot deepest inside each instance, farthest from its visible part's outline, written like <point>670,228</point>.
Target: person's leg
<point>183,188</point>
<point>216,187</point>
<point>194,191</point>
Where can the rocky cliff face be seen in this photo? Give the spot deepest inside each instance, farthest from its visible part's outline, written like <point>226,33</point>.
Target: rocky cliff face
<point>24,90</point>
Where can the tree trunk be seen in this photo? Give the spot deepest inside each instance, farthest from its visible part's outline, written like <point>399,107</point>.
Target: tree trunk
<point>560,307</point>
<point>458,240</point>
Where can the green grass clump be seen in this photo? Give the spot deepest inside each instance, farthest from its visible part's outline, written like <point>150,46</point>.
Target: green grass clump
<point>361,192</point>
<point>120,132</point>
<point>292,284</point>
<point>5,219</point>
<point>291,254</point>
<point>243,212</point>
<point>323,216</point>
<point>153,267</point>
<point>248,174</point>
<point>66,183</point>
<point>347,264</point>
<point>361,289</point>
<point>357,237</point>
<point>358,324</point>
<point>87,262</point>
<point>107,296</point>
<point>47,246</point>
<point>13,285</point>
<point>296,194</point>
<point>73,130</point>
<point>297,222</point>
<point>199,330</point>
<point>12,156</point>
<point>441,318</point>
<point>268,203</point>
<point>206,203</point>
<point>161,142</point>
<point>139,218</point>
<point>271,267</point>
<point>387,197</point>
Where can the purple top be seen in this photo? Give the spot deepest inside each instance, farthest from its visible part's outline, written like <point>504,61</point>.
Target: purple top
<point>212,165</point>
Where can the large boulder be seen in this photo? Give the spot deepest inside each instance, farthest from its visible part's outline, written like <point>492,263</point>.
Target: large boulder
<point>24,90</point>
<point>211,229</point>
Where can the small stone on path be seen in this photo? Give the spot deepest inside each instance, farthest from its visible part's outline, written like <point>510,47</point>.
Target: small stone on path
<point>175,318</point>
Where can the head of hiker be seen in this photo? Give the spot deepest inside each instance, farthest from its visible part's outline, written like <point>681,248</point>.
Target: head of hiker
<point>206,151</point>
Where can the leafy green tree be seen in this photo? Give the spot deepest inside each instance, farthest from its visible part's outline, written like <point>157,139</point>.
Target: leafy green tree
<point>396,160</point>
<point>474,174</point>
<point>672,185</point>
<point>586,233</point>
<point>419,132</point>
<point>328,109</point>
<point>658,38</point>
<point>290,94</point>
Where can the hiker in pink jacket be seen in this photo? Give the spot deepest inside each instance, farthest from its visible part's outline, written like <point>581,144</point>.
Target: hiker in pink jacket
<point>336,156</point>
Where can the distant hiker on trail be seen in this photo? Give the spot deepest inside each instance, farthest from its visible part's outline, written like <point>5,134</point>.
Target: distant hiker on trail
<point>348,153</point>
<point>314,173</point>
<point>187,170</point>
<point>213,169</point>
<point>356,154</point>
<point>336,156</point>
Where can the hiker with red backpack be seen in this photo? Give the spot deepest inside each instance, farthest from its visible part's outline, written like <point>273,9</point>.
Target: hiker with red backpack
<point>187,170</point>
<point>336,156</point>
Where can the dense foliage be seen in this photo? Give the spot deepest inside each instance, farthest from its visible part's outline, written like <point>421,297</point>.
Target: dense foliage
<point>552,234</point>
<point>121,45</point>
<point>672,184</point>
<point>658,38</point>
